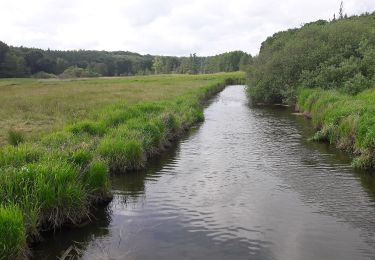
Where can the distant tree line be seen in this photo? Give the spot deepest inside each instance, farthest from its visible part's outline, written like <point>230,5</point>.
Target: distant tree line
<point>337,54</point>
<point>27,62</point>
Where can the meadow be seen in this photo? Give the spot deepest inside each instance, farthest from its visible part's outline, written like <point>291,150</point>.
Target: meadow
<point>62,138</point>
<point>34,107</point>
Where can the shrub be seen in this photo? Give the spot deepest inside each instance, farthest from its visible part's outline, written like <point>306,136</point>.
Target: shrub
<point>44,75</point>
<point>76,72</point>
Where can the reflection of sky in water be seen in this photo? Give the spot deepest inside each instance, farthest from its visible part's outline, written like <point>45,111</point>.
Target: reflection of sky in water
<point>243,185</point>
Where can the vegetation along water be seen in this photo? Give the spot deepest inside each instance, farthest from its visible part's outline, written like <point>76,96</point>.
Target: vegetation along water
<point>54,179</point>
<point>326,68</point>
<point>62,132</point>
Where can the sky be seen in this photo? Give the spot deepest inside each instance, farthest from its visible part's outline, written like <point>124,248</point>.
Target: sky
<point>160,27</point>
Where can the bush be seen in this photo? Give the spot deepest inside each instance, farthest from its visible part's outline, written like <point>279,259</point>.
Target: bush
<point>356,84</point>
<point>44,75</point>
<point>76,72</point>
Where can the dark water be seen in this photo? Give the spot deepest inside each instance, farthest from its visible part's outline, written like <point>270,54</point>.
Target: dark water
<point>244,185</point>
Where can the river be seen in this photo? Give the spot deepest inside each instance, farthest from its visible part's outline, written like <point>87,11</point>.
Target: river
<point>245,184</point>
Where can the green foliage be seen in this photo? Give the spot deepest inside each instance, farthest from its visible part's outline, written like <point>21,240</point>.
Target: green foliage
<point>121,154</point>
<point>81,157</point>
<point>52,186</point>
<point>15,137</point>
<point>19,155</point>
<point>96,178</point>
<point>26,62</point>
<point>55,179</point>
<point>12,233</point>
<point>329,55</point>
<point>76,72</point>
<point>89,127</point>
<point>44,75</point>
<point>344,120</point>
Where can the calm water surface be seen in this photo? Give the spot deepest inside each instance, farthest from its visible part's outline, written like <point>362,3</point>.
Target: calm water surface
<point>246,184</point>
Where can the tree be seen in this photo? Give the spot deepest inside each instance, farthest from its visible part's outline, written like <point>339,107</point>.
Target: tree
<point>61,65</point>
<point>157,64</point>
<point>193,60</point>
<point>3,51</point>
<point>341,10</point>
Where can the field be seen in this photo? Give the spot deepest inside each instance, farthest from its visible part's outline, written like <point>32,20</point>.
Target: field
<point>65,137</point>
<point>35,107</point>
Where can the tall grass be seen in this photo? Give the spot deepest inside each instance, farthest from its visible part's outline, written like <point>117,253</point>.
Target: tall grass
<point>344,120</point>
<point>56,178</point>
<point>15,137</point>
<point>12,233</point>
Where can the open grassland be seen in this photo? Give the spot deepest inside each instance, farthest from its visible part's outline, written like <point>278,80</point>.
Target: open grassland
<point>97,126</point>
<point>344,120</point>
<point>34,107</point>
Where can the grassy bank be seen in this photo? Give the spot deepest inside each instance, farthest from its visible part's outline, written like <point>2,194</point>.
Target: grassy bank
<point>55,178</point>
<point>343,120</point>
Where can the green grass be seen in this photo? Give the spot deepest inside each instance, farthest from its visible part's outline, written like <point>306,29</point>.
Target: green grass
<point>15,137</point>
<point>344,120</point>
<point>39,106</point>
<point>12,233</point>
<point>54,178</point>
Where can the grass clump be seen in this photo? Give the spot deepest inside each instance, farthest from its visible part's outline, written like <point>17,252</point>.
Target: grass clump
<point>344,120</point>
<point>15,137</point>
<point>12,233</point>
<point>122,154</point>
<point>89,127</point>
<point>19,155</point>
<point>96,179</point>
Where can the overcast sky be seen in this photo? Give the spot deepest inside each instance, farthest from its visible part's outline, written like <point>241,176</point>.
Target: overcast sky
<point>166,27</point>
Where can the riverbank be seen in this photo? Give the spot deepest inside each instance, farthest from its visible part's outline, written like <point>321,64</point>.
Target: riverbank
<point>343,120</point>
<point>57,178</point>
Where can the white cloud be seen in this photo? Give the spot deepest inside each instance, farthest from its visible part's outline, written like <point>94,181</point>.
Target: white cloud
<point>166,27</point>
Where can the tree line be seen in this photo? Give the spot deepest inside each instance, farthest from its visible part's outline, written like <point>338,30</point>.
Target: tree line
<point>27,62</point>
<point>336,54</point>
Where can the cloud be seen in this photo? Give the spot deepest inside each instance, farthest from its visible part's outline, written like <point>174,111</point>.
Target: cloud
<point>166,27</point>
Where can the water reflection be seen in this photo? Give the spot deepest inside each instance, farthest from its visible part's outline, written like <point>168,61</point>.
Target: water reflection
<point>245,184</point>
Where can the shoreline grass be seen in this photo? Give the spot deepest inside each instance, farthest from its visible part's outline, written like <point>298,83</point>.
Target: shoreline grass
<point>55,179</point>
<point>343,120</point>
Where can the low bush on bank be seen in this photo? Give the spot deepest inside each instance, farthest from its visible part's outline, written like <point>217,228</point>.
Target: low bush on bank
<point>56,179</point>
<point>44,75</point>
<point>344,120</point>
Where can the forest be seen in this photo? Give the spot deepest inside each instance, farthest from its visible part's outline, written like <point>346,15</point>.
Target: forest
<point>38,63</point>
